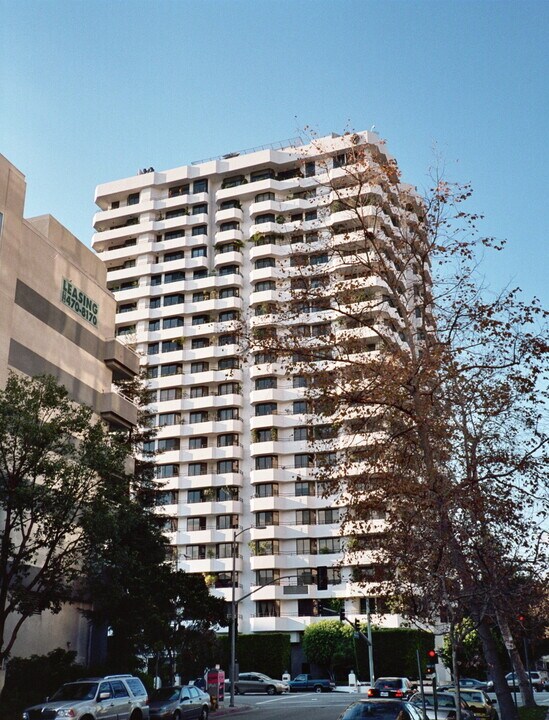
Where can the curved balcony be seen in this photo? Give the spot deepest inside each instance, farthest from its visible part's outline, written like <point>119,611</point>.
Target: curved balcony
<point>228,215</point>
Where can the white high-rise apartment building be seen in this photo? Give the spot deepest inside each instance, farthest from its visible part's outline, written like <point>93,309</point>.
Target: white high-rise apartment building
<point>190,252</point>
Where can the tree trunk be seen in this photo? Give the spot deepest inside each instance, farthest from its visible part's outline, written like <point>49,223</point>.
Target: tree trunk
<point>520,672</point>
<point>507,709</point>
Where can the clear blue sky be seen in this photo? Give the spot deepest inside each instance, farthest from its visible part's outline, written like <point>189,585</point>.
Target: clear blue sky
<point>92,90</point>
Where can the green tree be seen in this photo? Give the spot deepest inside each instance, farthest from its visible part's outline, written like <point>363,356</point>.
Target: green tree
<point>329,644</point>
<point>52,456</point>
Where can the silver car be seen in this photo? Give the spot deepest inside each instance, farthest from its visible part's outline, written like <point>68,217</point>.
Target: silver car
<point>446,706</point>
<point>253,682</point>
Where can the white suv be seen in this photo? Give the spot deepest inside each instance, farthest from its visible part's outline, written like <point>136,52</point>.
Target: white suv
<point>112,697</point>
<point>539,680</point>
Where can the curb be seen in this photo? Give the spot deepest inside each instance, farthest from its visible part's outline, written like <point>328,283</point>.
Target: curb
<point>231,711</point>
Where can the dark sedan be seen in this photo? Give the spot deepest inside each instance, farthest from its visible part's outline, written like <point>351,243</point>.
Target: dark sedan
<point>378,709</point>
<point>179,703</point>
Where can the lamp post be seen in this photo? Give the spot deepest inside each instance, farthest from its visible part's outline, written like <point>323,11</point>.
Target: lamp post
<point>233,612</point>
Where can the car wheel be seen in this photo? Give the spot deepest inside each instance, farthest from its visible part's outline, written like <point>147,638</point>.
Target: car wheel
<point>136,715</point>
<point>318,688</point>
<point>204,713</point>
<point>177,715</point>
<point>270,690</point>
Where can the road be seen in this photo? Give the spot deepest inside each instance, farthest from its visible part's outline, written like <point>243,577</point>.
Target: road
<point>310,706</point>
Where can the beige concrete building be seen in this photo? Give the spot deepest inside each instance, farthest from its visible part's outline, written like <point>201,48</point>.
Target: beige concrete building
<point>57,317</point>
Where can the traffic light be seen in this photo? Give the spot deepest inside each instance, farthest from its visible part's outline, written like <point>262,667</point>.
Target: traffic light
<point>357,625</point>
<point>322,577</point>
<point>342,615</point>
<point>432,659</point>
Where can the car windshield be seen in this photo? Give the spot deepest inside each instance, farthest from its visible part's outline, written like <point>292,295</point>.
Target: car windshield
<point>445,701</point>
<point>471,696</point>
<point>377,710</point>
<point>387,684</point>
<point>165,694</point>
<point>76,691</point>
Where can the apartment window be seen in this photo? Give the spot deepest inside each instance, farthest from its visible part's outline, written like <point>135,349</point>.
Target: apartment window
<point>267,518</point>
<point>265,263</point>
<point>148,447</point>
<point>170,257</point>
<point>133,198</point>
<point>201,251</point>
<point>299,407</point>
<point>196,523</point>
<point>266,490</point>
<point>153,348</point>
<point>265,218</point>
<point>198,443</point>
<point>264,285</point>
<point>234,181</point>
<point>263,197</point>
<point>156,280</point>
<point>228,292</point>
<point>126,330</point>
<point>174,369</point>
<point>319,259</point>
<point>200,274</point>
<point>265,409</point>
<point>228,315</point>
<point>198,416</point>
<point>171,345</point>
<point>334,578</point>
<point>227,339</point>
<point>227,414</point>
<point>265,577</point>
<point>175,299</point>
<point>303,460</point>
<point>310,169</point>
<point>169,419</point>
<point>200,186</point>
<point>154,325</point>
<point>229,204</point>
<point>301,433</point>
<point>229,389</point>
<point>227,466</point>
<point>114,206</point>
<point>230,363</point>
<point>304,488</point>
<point>127,307</point>
<point>174,234</point>
<point>194,496</point>
<point>201,209</point>
<point>199,391</point>
<point>267,174</point>
<point>198,367</point>
<point>266,383</point>
<point>228,270</point>
<point>167,471</point>
<point>167,444</point>
<point>227,440</point>
<point>305,517</point>
<point>227,248</point>
<point>227,522</point>
<point>199,343</point>
<point>154,303</point>
<point>231,225</point>
<point>200,296</point>
<point>152,372</point>
<point>195,552</point>
<point>224,550</point>
<point>170,394</point>
<point>328,516</point>
<point>329,545</point>
<point>178,190</point>
<point>296,217</point>
<point>266,547</point>
<point>266,462</point>
<point>165,497</point>
<point>265,435</point>
<point>172,322</point>
<point>200,319</point>
<point>306,546</point>
<point>175,276</point>
<point>197,469</point>
<point>180,212</point>
<point>199,230</point>
<point>226,493</point>
<point>339,160</point>
<point>311,215</point>
<point>169,525</point>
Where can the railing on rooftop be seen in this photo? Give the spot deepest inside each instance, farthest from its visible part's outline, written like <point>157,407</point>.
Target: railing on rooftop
<point>280,145</point>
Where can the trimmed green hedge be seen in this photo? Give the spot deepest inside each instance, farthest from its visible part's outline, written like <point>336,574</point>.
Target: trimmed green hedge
<point>394,652</point>
<point>268,653</point>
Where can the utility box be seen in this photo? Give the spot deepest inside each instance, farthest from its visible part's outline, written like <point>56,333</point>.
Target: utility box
<point>215,680</point>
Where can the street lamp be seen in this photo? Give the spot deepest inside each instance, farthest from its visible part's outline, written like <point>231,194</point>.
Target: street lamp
<point>233,612</point>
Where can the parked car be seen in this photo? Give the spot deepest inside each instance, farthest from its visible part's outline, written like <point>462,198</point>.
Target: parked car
<point>179,703</point>
<point>112,697</point>
<point>254,682</point>
<point>479,702</point>
<point>446,706</point>
<point>472,683</point>
<point>381,709</point>
<point>539,680</point>
<point>397,687</point>
<point>306,682</point>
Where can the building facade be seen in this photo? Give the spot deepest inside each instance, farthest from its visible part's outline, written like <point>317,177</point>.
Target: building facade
<point>193,254</point>
<point>57,318</point>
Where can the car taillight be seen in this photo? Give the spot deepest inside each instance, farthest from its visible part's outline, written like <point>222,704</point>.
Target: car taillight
<point>370,693</point>
<point>147,700</point>
<point>399,693</point>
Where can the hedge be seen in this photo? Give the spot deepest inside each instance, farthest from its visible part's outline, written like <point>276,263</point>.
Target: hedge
<point>268,653</point>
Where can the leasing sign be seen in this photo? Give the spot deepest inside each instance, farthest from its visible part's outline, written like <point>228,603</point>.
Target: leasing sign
<point>78,301</point>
